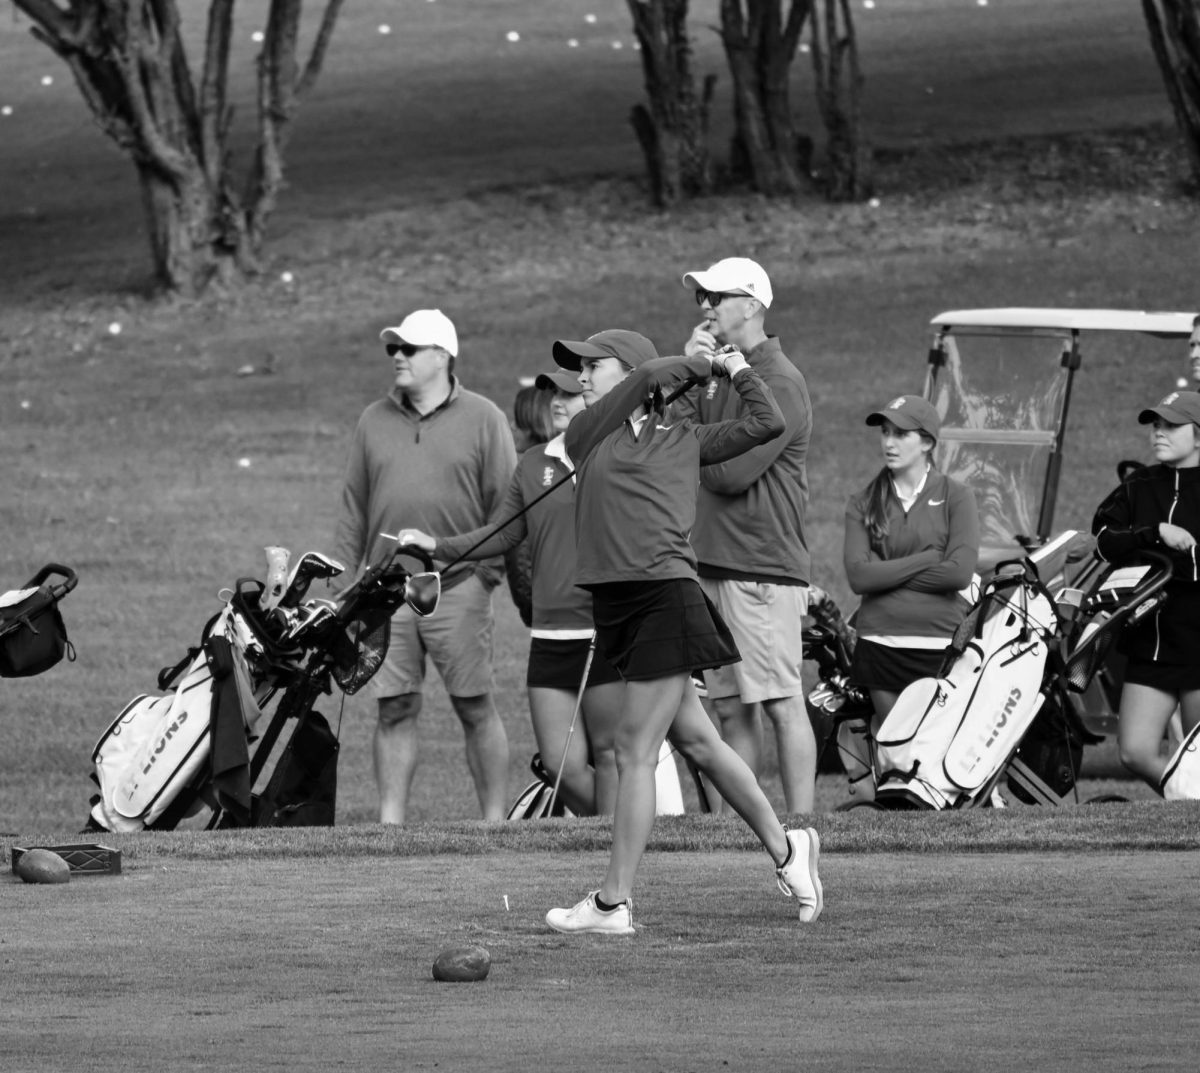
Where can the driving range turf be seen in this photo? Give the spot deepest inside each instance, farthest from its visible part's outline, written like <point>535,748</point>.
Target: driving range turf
<point>505,188</point>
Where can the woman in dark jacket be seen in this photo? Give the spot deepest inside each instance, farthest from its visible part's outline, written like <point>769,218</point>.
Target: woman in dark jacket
<point>638,473</point>
<point>1159,507</point>
<point>911,546</point>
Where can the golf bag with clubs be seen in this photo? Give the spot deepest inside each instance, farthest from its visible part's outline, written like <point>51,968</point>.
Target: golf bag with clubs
<point>195,750</point>
<point>839,711</point>
<point>1003,705</point>
<point>947,739</point>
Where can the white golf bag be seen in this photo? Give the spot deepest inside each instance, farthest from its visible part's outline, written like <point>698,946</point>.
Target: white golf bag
<point>947,740</point>
<point>159,744</point>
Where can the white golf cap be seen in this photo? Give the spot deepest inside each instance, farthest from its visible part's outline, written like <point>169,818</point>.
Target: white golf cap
<point>424,327</point>
<point>733,275</point>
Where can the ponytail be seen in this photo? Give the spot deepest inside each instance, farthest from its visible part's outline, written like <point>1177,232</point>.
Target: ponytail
<point>879,495</point>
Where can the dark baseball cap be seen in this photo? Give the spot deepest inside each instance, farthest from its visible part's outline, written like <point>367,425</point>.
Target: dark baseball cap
<point>909,412</point>
<point>1179,408</point>
<point>630,347</point>
<point>559,380</point>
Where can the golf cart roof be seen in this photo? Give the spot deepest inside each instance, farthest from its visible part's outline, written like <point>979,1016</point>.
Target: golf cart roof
<point>1164,325</point>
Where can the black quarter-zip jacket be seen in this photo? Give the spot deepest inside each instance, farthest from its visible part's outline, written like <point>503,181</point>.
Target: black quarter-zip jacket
<point>1127,523</point>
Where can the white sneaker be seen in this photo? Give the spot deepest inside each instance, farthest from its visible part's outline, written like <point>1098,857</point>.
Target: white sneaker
<point>799,877</point>
<point>588,918</point>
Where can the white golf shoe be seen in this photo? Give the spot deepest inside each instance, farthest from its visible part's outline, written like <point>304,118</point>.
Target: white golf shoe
<point>588,918</point>
<point>798,876</point>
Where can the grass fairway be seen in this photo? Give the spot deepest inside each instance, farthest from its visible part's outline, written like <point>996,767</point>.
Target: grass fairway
<point>944,961</point>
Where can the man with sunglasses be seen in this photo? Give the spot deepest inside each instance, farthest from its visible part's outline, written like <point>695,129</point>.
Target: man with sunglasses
<point>749,535</point>
<point>431,456</point>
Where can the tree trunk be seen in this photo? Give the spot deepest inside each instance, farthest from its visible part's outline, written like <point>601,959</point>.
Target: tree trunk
<point>673,129</point>
<point>1175,37</point>
<point>191,242</point>
<point>839,99</point>
<point>760,45</point>
<point>129,61</point>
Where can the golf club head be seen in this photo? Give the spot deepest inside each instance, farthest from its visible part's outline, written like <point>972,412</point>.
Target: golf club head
<point>277,572</point>
<point>312,566</point>
<point>315,613</point>
<point>422,592</point>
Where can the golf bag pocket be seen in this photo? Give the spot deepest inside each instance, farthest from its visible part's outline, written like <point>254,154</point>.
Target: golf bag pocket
<point>911,742</point>
<point>302,790</point>
<point>152,750</point>
<point>1181,779</point>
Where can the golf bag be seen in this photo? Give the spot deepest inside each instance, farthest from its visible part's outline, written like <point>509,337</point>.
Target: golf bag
<point>839,711</point>
<point>533,803</point>
<point>33,636</point>
<point>947,740</point>
<point>158,745</point>
<point>187,752</point>
<point>1181,779</point>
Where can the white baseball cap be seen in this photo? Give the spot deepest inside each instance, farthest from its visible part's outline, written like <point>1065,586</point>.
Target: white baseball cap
<point>424,327</point>
<point>731,275</point>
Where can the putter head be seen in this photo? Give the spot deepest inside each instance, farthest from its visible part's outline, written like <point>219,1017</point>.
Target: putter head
<point>422,592</point>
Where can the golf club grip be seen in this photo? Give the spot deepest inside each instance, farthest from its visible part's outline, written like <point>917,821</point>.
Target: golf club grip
<point>687,385</point>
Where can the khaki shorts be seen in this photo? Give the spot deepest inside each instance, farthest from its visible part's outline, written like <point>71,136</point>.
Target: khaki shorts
<point>767,622</point>
<point>457,637</point>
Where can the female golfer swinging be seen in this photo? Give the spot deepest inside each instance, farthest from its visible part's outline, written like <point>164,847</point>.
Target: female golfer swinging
<point>635,503</point>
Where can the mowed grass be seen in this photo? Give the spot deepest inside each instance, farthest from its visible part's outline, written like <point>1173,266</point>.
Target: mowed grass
<point>943,962</point>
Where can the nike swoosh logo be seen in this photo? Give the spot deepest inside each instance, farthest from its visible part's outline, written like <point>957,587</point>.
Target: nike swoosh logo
<point>936,502</point>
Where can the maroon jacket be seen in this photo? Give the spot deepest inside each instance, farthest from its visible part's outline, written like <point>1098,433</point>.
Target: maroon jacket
<point>635,503</point>
<point>910,581</point>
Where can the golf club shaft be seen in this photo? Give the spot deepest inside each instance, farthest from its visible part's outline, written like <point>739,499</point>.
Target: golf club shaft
<point>587,667</point>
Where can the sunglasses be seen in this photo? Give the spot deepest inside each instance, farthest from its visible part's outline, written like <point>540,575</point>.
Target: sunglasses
<point>407,349</point>
<point>713,298</point>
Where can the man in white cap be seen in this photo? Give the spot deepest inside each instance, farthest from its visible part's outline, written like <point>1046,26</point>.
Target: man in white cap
<point>431,456</point>
<point>749,535</point>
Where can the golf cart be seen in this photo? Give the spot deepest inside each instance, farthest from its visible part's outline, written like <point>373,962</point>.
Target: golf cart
<point>1002,379</point>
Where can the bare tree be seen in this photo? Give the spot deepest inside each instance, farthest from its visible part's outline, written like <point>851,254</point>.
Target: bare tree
<point>760,43</point>
<point>130,62</point>
<point>673,129</point>
<point>1175,37</point>
<point>839,80</point>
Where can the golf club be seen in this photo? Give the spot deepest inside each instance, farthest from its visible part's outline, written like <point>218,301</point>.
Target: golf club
<point>587,667</point>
